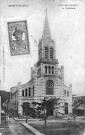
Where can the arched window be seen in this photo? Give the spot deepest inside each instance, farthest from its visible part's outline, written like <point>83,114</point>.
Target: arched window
<point>40,54</point>
<point>46,69</point>
<point>66,108</point>
<point>49,69</point>
<point>51,53</point>
<point>22,92</point>
<point>33,90</point>
<point>29,91</point>
<point>67,93</point>
<point>52,70</point>
<point>25,92</point>
<point>46,52</point>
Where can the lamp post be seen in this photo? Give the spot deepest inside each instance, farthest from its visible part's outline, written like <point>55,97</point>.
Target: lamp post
<point>45,117</point>
<point>26,118</point>
<point>45,112</point>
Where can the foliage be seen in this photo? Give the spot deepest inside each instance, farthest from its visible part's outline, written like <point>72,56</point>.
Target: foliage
<point>5,109</point>
<point>79,102</point>
<point>4,96</point>
<point>59,105</point>
<point>79,106</point>
<point>49,105</point>
<point>38,109</point>
<point>33,113</point>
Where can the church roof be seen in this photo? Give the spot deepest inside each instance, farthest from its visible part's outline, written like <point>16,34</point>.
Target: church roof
<point>31,81</point>
<point>28,83</point>
<point>53,62</point>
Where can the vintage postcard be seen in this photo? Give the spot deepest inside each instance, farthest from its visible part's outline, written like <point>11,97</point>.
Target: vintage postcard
<point>42,67</point>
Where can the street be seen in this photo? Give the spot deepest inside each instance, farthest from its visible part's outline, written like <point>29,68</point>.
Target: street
<point>15,128</point>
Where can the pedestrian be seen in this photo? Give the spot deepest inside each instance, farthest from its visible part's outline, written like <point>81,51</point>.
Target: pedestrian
<point>74,117</point>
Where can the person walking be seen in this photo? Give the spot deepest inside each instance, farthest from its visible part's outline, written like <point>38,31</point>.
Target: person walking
<point>74,118</point>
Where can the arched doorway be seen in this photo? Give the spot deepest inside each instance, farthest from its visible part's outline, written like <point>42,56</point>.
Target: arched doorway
<point>26,108</point>
<point>66,108</point>
<point>50,108</point>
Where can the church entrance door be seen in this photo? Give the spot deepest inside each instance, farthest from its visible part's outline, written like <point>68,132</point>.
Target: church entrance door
<point>26,108</point>
<point>66,108</point>
<point>50,108</point>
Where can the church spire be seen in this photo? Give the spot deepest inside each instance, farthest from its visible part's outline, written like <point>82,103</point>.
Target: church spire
<point>46,28</point>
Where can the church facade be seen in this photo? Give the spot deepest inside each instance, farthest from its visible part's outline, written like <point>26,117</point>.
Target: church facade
<point>47,78</point>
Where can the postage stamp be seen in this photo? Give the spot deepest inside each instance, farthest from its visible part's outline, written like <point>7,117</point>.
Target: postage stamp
<point>18,38</point>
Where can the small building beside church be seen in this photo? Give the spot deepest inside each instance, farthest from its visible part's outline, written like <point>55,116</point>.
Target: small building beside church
<point>79,101</point>
<point>47,78</point>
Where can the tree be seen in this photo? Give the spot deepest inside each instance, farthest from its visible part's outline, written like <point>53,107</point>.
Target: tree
<point>49,105</point>
<point>59,105</point>
<point>79,106</point>
<point>35,109</point>
<point>79,102</point>
<point>4,96</point>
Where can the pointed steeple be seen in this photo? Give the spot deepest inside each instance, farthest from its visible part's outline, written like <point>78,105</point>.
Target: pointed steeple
<point>46,28</point>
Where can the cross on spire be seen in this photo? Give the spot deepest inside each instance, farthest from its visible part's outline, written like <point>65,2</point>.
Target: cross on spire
<point>46,28</point>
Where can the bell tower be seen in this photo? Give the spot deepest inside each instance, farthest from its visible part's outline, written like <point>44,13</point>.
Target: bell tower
<point>46,47</point>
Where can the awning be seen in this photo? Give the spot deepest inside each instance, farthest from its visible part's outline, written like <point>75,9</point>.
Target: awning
<point>80,108</point>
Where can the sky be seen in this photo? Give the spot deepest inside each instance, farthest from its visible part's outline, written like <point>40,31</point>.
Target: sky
<point>66,20</point>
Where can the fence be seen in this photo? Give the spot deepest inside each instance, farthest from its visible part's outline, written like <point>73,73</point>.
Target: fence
<point>4,120</point>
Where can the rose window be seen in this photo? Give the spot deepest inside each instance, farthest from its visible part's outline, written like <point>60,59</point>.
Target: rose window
<point>49,84</point>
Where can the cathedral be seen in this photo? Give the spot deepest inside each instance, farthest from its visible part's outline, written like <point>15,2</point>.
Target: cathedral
<point>47,78</point>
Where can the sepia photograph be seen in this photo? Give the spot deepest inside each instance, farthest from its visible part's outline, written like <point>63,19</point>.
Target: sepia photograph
<point>42,67</point>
